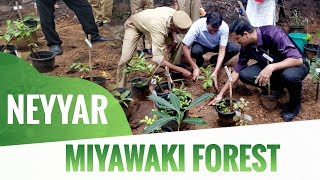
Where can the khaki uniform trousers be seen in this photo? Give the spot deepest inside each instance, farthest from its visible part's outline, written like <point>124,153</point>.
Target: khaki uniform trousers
<point>102,10</point>
<point>191,7</point>
<point>130,41</point>
<point>136,7</point>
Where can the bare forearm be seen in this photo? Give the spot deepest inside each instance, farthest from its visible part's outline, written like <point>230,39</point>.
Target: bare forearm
<point>187,55</point>
<point>221,55</point>
<point>289,62</point>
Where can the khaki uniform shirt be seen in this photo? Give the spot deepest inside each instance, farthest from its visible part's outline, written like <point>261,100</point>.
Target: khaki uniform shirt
<point>155,22</point>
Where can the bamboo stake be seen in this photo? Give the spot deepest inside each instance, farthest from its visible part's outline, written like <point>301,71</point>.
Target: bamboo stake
<point>230,86</point>
<point>5,46</point>
<point>19,12</point>
<point>90,58</point>
<point>231,100</point>
<point>269,88</point>
<point>168,78</point>
<point>36,9</point>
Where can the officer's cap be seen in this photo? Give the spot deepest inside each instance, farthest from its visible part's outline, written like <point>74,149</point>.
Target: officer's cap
<point>181,20</point>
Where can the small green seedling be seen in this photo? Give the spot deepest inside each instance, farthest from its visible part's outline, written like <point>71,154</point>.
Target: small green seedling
<point>208,78</point>
<point>313,69</point>
<point>78,66</point>
<point>222,106</point>
<point>183,95</point>
<point>139,63</point>
<point>308,38</point>
<point>123,98</point>
<point>242,119</point>
<point>149,121</point>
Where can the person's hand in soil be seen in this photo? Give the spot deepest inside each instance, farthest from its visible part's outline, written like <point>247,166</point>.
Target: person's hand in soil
<point>265,75</point>
<point>186,73</point>
<point>196,73</point>
<point>215,100</point>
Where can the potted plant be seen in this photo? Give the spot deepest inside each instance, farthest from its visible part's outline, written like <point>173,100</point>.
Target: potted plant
<point>31,21</point>
<point>84,67</point>
<point>297,23</point>
<point>242,119</point>
<point>43,61</point>
<point>178,116</point>
<point>140,85</point>
<point>123,95</point>
<point>19,34</point>
<point>208,78</point>
<point>11,49</point>
<point>226,112</point>
<point>310,49</point>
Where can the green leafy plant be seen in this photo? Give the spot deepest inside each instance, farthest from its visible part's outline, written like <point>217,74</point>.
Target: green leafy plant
<point>139,63</point>
<point>149,121</point>
<point>179,113</point>
<point>223,107</point>
<point>183,95</point>
<point>308,38</point>
<point>208,78</point>
<point>313,69</point>
<point>17,29</point>
<point>78,66</point>
<point>242,105</point>
<point>123,98</point>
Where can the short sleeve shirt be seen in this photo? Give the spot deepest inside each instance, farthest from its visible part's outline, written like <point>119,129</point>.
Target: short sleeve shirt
<point>155,22</point>
<point>198,32</point>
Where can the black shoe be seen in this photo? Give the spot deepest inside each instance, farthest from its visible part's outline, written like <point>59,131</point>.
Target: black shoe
<point>99,24</point>
<point>99,39</point>
<point>56,49</point>
<point>288,114</point>
<point>148,51</point>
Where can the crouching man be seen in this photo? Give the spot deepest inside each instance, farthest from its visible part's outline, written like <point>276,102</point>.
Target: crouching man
<point>288,68</point>
<point>162,24</point>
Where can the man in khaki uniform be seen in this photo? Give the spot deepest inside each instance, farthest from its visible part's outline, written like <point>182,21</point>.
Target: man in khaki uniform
<point>136,7</point>
<point>158,23</point>
<point>191,7</point>
<point>102,11</point>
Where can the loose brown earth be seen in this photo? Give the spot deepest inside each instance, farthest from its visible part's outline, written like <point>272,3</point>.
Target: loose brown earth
<point>106,56</point>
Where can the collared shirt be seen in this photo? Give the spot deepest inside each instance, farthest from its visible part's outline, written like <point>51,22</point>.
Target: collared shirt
<point>198,32</point>
<point>155,22</point>
<point>271,38</point>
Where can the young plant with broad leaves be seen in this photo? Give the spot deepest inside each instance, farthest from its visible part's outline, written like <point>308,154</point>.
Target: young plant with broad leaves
<point>208,78</point>
<point>313,69</point>
<point>123,98</point>
<point>179,113</point>
<point>78,66</point>
<point>139,63</point>
<point>17,29</point>
<point>242,105</point>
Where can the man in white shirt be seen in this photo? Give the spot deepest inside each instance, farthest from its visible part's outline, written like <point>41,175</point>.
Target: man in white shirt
<point>209,34</point>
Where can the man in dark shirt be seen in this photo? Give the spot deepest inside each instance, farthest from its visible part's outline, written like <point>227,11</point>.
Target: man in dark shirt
<point>286,68</point>
<point>83,11</point>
